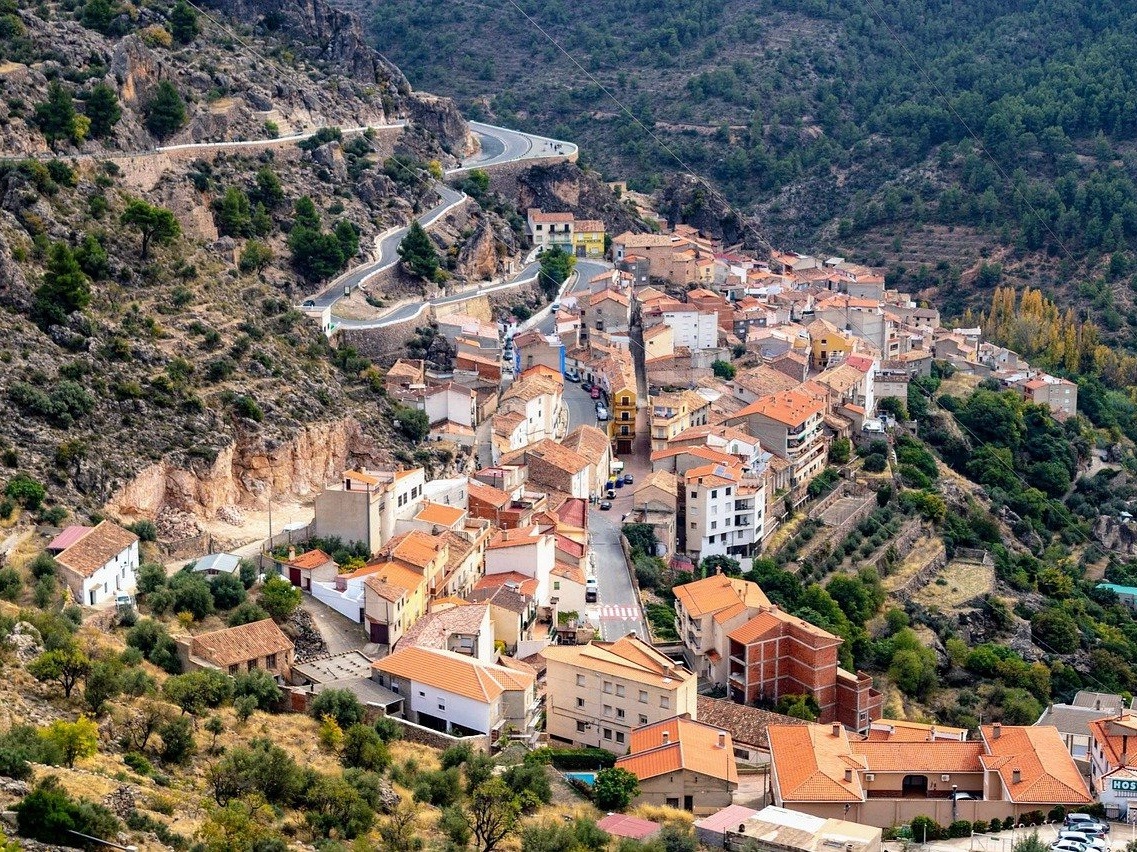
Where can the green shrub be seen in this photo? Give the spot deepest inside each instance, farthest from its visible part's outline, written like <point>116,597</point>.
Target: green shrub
<point>139,763</point>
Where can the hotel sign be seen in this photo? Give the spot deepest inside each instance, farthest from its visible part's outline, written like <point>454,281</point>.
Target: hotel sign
<point>1123,785</point>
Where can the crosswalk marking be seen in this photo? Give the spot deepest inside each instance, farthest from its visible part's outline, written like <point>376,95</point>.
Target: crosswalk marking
<point>611,611</point>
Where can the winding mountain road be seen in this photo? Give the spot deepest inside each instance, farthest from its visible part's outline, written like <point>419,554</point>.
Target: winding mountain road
<point>499,145</point>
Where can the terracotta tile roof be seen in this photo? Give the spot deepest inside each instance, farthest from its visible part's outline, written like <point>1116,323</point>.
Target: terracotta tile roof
<point>387,591</point>
<point>859,362</point>
<point>690,745</point>
<point>656,331</point>
<point>775,619</point>
<point>1111,735</point>
<point>707,453</point>
<point>589,225</point>
<point>437,513</point>
<point>95,549</point>
<point>711,475</point>
<point>526,585</point>
<point>790,408</point>
<point>569,547</point>
<point>453,673</point>
<point>747,725</point>
<point>416,548</point>
<point>435,628</point>
<point>567,460</point>
<point>725,615</point>
<point>537,215</point>
<point>238,644</point>
<point>809,764</point>
<point>1047,773</point>
<point>630,240</point>
<point>662,479</point>
<point>520,537</point>
<point>574,512</point>
<point>410,471</point>
<point>310,559</point>
<point>944,757</point>
<point>569,572</point>
<point>500,596</point>
<point>458,549</point>
<point>610,296</point>
<point>709,595</point>
<point>506,423</point>
<point>628,658</point>
<point>68,537</point>
<point>589,442</point>
<point>397,575</point>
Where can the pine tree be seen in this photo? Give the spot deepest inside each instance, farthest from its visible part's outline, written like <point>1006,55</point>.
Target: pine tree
<point>418,252</point>
<point>183,23</point>
<point>166,112</point>
<point>103,110</point>
<point>65,288</point>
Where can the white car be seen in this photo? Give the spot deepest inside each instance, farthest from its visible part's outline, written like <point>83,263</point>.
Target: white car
<point>1087,840</point>
<point>601,412</point>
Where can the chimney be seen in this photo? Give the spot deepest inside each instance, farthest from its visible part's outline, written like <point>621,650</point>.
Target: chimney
<point>836,729</point>
<point>722,739</point>
<point>1016,776</point>
<point>848,776</point>
<point>996,730</point>
<point>932,734</point>
<point>1097,703</point>
<point>666,737</point>
<point>291,553</point>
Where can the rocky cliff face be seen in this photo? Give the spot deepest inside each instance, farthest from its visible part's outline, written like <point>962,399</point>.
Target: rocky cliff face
<point>690,201</point>
<point>566,186</point>
<point>248,471</point>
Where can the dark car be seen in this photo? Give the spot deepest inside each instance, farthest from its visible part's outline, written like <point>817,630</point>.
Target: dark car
<point>605,505</point>
<point>586,386</point>
<point>628,479</point>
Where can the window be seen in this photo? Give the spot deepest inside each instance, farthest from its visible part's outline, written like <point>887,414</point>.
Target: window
<point>252,664</point>
<point>580,704</point>
<point>607,709</point>
<point>694,495</point>
<point>619,712</point>
<point>540,227</point>
<point>728,491</point>
<point>643,697</point>
<point>664,702</point>
<point>607,733</point>
<point>581,727</point>
<point>233,669</point>
<point>624,430</point>
<point>270,661</point>
<point>607,687</point>
<point>441,704</point>
<point>714,525</point>
<point>711,540</point>
<point>619,736</point>
<point>625,400</point>
<point>556,585</point>
<point>692,524</point>
<point>643,719</point>
<point>619,690</point>
<point>580,680</point>
<point>421,694</point>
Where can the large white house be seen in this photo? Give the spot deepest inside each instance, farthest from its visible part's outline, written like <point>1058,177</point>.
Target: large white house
<point>98,563</point>
<point>456,693</point>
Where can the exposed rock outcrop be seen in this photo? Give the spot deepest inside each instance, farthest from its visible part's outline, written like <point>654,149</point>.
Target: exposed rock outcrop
<point>566,186</point>
<point>440,116</point>
<point>248,471</point>
<point>688,200</point>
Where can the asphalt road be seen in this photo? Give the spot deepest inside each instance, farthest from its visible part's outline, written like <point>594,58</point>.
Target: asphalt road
<point>617,611</point>
<point>499,145</point>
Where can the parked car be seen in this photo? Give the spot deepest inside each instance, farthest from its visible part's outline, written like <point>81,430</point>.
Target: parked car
<point>594,393</point>
<point>1061,845</point>
<point>605,505</point>
<point>610,493</point>
<point>591,589</point>
<point>628,479</point>
<point>556,306</point>
<point>1086,824</point>
<point>601,412</point>
<point>572,375</point>
<point>586,386</point>
<point>1090,841</point>
<point>961,796</point>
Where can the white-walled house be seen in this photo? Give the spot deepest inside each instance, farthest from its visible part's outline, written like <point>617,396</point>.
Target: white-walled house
<point>101,564</point>
<point>691,327</point>
<point>456,693</point>
<point>526,551</point>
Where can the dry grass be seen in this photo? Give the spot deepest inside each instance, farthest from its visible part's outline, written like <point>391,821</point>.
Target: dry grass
<point>664,815</point>
<point>924,549</point>
<point>963,581</point>
<point>784,533</point>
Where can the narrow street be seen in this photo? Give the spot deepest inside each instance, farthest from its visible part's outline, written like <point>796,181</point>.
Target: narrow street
<point>617,611</point>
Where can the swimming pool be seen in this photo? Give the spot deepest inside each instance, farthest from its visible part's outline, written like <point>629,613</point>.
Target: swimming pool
<point>588,778</point>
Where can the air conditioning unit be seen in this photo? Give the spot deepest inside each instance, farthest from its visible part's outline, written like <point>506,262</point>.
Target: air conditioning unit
<point>870,776</point>
<point>945,777</point>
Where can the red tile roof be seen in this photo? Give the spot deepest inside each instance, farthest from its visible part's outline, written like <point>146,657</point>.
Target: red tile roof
<point>676,744</point>
<point>95,549</point>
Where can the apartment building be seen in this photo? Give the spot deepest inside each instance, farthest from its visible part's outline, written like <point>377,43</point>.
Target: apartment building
<point>527,552</point>
<point>598,693</point>
<point>1059,395</point>
<point>537,397</point>
<point>724,511</point>
<point>655,248</point>
<point>734,636</point>
<point>555,467</point>
<point>366,504</point>
<point>588,238</point>
<point>608,311</point>
<point>620,382</point>
<point>788,424</point>
<point>691,326</point>
<point>674,413</point>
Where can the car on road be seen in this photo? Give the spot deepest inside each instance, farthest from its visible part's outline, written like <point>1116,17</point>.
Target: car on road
<point>586,386</point>
<point>628,480</point>
<point>594,392</point>
<point>556,306</point>
<point>572,375</point>
<point>309,303</point>
<point>601,412</point>
<point>605,505</point>
<point>591,590</point>
<point>610,493</point>
<point>1066,843</point>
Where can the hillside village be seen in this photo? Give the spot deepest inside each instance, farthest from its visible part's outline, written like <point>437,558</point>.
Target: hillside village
<point>689,405</point>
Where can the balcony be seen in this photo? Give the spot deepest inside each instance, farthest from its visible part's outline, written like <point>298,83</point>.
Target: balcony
<point>742,521</point>
<point>743,505</point>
